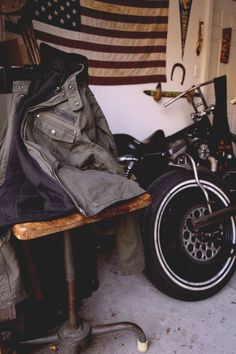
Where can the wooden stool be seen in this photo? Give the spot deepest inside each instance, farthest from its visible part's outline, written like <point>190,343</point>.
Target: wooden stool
<point>76,332</point>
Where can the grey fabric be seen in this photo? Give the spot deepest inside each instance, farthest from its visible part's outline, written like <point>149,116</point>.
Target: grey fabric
<point>129,244</point>
<point>12,289</point>
<point>5,103</point>
<point>8,104</point>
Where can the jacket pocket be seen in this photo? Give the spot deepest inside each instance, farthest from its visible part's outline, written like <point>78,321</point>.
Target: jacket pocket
<point>62,115</point>
<point>55,131</point>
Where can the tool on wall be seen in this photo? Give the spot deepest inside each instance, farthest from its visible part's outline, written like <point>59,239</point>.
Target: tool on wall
<point>183,71</point>
<point>200,37</point>
<point>158,93</point>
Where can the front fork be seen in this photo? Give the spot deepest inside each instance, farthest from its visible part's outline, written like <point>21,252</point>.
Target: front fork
<point>194,167</point>
<point>212,218</point>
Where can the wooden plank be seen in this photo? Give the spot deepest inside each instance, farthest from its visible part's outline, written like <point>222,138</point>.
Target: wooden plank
<point>31,230</point>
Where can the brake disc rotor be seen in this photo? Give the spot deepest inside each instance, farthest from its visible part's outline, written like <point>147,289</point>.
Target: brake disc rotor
<point>202,249</point>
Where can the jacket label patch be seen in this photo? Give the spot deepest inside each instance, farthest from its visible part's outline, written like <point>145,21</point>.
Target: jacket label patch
<point>62,114</point>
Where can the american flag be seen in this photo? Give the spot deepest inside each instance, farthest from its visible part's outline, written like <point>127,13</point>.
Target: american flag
<point>124,40</point>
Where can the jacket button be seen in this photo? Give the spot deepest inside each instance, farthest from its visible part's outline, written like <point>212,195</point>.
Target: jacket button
<point>53,131</point>
<point>70,87</point>
<point>77,103</point>
<point>37,115</point>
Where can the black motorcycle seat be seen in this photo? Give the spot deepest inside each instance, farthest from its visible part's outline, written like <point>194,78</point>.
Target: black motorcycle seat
<point>157,140</point>
<point>128,145</point>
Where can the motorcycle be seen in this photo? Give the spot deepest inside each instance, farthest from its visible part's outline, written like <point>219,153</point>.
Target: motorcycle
<point>189,229</point>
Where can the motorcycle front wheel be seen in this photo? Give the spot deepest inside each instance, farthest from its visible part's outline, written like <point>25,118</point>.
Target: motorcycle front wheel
<point>181,262</point>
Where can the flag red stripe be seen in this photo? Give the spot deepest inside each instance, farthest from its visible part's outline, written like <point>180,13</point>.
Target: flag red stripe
<point>122,34</point>
<point>127,64</point>
<point>99,80</point>
<point>139,3</point>
<point>71,43</point>
<point>85,11</point>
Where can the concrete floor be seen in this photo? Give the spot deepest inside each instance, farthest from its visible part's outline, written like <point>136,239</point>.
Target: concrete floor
<point>172,326</point>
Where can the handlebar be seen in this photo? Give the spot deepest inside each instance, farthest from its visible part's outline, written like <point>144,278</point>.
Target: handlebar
<point>194,87</point>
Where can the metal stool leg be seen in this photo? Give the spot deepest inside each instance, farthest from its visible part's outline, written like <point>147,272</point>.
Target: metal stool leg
<point>123,326</point>
<point>76,332</point>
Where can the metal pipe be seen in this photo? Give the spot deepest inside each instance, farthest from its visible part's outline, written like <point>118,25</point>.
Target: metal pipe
<point>215,217</point>
<point>53,338</point>
<point>199,183</point>
<point>118,327</point>
<point>70,280</point>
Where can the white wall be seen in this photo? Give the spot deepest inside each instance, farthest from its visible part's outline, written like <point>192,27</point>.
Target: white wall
<point>129,110</point>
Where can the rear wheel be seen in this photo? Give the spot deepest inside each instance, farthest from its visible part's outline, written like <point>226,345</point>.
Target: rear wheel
<point>181,262</point>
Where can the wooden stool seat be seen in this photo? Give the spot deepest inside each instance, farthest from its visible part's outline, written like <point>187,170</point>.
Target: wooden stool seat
<point>31,230</point>
<point>76,332</point>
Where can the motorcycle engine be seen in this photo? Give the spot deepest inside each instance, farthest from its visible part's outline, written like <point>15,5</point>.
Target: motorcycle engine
<point>195,147</point>
<point>176,148</point>
<point>199,150</point>
<point>193,140</point>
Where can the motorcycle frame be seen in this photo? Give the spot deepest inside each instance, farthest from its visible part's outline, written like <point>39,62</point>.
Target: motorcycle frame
<point>220,215</point>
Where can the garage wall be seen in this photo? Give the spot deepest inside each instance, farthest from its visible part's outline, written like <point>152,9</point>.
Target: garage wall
<point>129,110</point>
